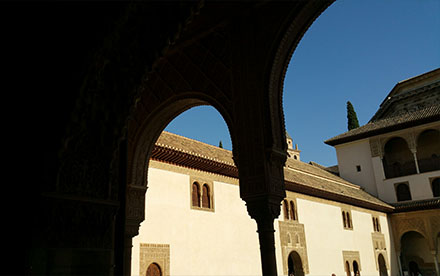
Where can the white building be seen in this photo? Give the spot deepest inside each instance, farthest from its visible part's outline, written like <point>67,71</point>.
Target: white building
<point>396,157</point>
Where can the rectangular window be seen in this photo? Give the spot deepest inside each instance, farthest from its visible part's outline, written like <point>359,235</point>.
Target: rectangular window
<point>358,168</point>
<point>346,219</point>
<point>376,224</point>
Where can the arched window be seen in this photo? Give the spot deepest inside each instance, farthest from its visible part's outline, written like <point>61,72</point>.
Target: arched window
<point>286,210</point>
<point>356,269</point>
<point>344,219</point>
<point>206,197</point>
<point>402,192</point>
<point>349,225</point>
<point>428,150</point>
<point>347,268</point>
<point>382,266</point>
<point>292,210</point>
<point>154,270</point>
<point>436,187</point>
<point>294,264</point>
<point>398,159</point>
<point>195,194</point>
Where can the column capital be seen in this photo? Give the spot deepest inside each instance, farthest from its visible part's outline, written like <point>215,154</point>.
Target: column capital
<point>264,209</point>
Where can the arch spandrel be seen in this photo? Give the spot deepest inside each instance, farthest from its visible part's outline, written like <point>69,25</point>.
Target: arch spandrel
<point>426,223</point>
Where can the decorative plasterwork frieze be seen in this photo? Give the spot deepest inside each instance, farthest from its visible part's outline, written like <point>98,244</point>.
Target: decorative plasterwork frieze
<point>379,247</point>
<point>350,257</point>
<point>426,223</point>
<point>293,238</point>
<point>154,253</point>
<point>375,147</point>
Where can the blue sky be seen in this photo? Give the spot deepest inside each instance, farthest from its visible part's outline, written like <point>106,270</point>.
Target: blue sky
<point>355,51</point>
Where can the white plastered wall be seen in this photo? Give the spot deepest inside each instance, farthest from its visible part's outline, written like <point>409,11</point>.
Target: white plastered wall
<point>326,237</point>
<point>223,242</point>
<point>355,154</point>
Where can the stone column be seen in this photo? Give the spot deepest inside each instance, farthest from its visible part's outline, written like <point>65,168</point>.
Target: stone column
<point>437,269</point>
<point>128,244</point>
<point>264,211</point>
<point>414,152</point>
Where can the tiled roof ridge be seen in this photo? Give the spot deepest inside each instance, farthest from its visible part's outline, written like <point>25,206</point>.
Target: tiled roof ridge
<point>407,81</point>
<point>193,153</point>
<point>393,117</point>
<point>420,76</point>
<point>383,108</point>
<point>345,183</point>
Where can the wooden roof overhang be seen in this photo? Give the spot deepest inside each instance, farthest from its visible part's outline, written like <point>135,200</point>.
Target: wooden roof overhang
<point>417,205</point>
<point>176,157</point>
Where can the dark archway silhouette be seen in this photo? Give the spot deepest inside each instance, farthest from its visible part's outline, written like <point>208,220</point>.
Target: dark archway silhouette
<point>398,159</point>
<point>428,150</point>
<point>294,264</point>
<point>356,271</point>
<point>382,266</point>
<point>347,268</point>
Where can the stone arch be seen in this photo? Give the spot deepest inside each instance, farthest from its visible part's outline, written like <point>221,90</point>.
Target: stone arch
<point>286,43</point>
<point>428,150</point>
<point>141,140</point>
<point>398,159</point>
<point>416,253</point>
<point>295,264</point>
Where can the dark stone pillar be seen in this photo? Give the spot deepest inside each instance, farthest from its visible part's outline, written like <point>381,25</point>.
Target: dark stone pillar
<point>264,210</point>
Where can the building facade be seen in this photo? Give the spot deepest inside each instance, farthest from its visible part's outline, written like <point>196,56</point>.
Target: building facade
<point>197,224</point>
<point>396,158</point>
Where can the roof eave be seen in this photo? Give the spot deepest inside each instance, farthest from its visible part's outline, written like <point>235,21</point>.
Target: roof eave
<point>343,140</point>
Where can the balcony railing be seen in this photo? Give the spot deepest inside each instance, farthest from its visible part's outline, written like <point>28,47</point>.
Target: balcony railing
<point>398,169</point>
<point>429,165</point>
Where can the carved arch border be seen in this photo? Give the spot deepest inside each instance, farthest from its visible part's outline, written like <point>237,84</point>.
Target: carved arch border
<point>426,223</point>
<point>141,144</point>
<point>288,42</point>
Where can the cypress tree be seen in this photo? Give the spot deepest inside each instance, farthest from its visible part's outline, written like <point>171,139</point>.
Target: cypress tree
<point>352,122</point>
<point>220,145</point>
